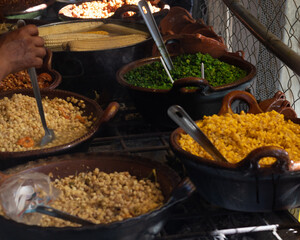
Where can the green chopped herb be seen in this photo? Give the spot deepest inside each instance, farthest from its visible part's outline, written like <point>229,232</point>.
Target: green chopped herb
<point>153,75</point>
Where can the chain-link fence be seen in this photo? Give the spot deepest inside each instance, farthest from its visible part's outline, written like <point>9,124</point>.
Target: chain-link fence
<point>281,18</point>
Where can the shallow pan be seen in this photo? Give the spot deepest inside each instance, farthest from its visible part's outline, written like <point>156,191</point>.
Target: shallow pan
<point>245,186</point>
<point>9,159</point>
<point>142,227</point>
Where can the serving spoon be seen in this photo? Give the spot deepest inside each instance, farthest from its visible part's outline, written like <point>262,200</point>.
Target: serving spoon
<point>153,29</point>
<point>180,116</point>
<point>20,194</point>
<point>49,133</point>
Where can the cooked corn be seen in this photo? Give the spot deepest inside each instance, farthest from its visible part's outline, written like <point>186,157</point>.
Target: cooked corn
<point>122,30</point>
<point>56,41</point>
<point>104,43</point>
<point>236,135</point>
<point>19,119</point>
<point>104,197</point>
<point>69,28</point>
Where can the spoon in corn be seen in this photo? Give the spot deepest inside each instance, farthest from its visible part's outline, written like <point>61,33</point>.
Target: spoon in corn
<point>49,133</point>
<point>178,115</point>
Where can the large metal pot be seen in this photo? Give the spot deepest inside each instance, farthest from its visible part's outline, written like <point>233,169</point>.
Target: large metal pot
<point>142,227</point>
<point>89,71</point>
<point>245,186</point>
<point>204,100</point>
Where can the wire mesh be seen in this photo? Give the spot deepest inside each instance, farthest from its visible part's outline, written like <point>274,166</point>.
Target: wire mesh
<point>280,17</point>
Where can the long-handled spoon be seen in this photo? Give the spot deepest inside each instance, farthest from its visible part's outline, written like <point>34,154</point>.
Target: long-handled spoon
<point>49,133</point>
<point>19,195</point>
<point>179,116</point>
<point>153,29</point>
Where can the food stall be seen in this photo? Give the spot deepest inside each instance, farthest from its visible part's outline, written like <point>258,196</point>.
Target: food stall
<point>129,129</point>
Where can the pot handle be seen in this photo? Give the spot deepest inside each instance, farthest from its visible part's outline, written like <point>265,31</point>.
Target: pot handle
<point>239,95</point>
<point>168,40</point>
<point>119,13</point>
<point>202,85</point>
<point>110,112</point>
<point>239,54</point>
<point>47,59</point>
<point>183,190</point>
<point>282,163</point>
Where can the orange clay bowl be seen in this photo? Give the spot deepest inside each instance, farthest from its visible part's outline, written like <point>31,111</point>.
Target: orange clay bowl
<point>10,159</point>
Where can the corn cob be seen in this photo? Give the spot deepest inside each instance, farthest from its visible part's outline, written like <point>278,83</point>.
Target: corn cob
<point>121,30</point>
<point>97,32</point>
<point>55,41</point>
<point>69,28</point>
<point>104,43</point>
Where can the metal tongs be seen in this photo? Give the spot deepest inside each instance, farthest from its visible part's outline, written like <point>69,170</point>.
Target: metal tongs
<point>152,26</point>
<point>49,133</point>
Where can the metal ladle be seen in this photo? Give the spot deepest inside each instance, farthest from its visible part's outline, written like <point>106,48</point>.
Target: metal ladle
<point>49,133</point>
<point>179,116</point>
<point>18,196</point>
<point>153,29</point>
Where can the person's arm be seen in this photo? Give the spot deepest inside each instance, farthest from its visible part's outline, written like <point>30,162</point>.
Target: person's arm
<point>21,49</point>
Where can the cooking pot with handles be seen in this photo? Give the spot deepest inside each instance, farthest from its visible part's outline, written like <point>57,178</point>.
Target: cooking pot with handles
<point>144,227</point>
<point>245,186</point>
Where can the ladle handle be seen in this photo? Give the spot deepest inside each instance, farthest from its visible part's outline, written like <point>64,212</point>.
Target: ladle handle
<point>180,117</point>
<point>35,86</point>
<point>152,26</point>
<point>59,214</point>
<point>38,98</point>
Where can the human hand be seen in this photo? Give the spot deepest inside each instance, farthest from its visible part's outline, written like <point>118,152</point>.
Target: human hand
<point>21,49</point>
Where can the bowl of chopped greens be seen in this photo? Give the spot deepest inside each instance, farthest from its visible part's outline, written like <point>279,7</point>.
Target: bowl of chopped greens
<point>153,92</point>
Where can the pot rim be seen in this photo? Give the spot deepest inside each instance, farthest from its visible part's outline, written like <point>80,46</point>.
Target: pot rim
<point>251,69</point>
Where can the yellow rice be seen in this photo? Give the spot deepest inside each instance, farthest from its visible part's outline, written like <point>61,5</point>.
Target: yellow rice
<point>236,135</point>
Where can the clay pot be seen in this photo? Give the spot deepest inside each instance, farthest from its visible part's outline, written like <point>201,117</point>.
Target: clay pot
<point>192,43</point>
<point>279,104</point>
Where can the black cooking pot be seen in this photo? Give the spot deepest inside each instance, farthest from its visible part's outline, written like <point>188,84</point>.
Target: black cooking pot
<point>204,100</point>
<point>245,186</point>
<point>145,226</point>
<point>88,71</point>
